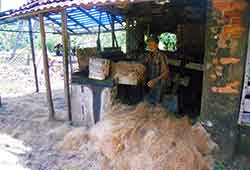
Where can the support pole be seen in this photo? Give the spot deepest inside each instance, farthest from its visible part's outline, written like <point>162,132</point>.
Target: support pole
<point>112,23</point>
<point>33,55</point>
<point>113,32</point>
<point>46,69</point>
<point>70,58</point>
<point>65,39</point>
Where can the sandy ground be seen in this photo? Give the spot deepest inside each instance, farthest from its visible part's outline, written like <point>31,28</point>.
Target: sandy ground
<point>27,139</point>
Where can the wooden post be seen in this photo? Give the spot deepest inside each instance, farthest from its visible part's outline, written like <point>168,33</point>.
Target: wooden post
<point>112,22</point>
<point>33,55</point>
<point>65,39</point>
<point>46,68</point>
<point>70,57</point>
<point>113,32</point>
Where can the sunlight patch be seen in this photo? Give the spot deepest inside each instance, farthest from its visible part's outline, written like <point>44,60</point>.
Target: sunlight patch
<point>10,149</point>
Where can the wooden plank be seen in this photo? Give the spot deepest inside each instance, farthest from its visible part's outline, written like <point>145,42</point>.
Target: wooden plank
<point>190,65</point>
<point>46,69</point>
<point>33,55</point>
<point>65,39</point>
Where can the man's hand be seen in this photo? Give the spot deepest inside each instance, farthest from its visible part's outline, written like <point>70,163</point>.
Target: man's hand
<point>152,83</point>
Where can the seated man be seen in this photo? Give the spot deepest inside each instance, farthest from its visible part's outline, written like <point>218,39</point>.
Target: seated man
<point>157,71</point>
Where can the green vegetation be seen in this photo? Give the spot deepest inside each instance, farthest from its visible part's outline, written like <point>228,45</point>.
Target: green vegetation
<point>8,40</point>
<point>219,166</point>
<point>51,39</point>
<point>11,40</point>
<point>168,41</point>
<point>86,41</point>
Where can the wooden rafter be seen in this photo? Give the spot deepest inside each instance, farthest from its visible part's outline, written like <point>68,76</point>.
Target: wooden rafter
<point>108,12</point>
<point>78,23</point>
<point>90,16</point>
<point>58,23</point>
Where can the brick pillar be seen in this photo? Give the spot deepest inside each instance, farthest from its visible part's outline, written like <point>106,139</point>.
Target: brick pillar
<point>226,46</point>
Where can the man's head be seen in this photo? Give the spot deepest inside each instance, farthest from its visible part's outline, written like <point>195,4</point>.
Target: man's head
<point>152,43</point>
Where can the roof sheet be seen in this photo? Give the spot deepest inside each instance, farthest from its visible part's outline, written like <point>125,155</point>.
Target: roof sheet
<point>80,20</point>
<point>40,5</point>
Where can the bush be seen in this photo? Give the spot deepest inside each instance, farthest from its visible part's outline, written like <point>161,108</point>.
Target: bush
<point>219,166</point>
<point>169,41</point>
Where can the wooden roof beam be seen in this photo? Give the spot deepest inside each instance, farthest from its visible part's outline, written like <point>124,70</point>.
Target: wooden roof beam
<point>101,10</point>
<point>58,23</point>
<point>90,16</point>
<point>78,23</point>
<point>115,18</point>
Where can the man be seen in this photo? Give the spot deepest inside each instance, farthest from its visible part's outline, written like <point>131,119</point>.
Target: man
<point>59,49</point>
<point>157,71</point>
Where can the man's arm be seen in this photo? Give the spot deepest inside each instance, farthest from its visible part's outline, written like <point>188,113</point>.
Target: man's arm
<point>164,72</point>
<point>164,69</point>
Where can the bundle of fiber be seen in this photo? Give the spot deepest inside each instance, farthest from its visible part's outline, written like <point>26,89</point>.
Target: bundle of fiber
<point>129,73</point>
<point>149,138</point>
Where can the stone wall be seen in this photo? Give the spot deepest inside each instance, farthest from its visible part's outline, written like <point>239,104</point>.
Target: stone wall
<point>226,45</point>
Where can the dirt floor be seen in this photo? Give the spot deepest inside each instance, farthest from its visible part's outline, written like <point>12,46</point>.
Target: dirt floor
<point>28,141</point>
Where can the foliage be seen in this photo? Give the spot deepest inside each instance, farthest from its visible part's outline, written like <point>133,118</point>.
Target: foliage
<point>219,166</point>
<point>51,41</point>
<point>169,41</point>
<point>86,41</point>
<point>9,40</point>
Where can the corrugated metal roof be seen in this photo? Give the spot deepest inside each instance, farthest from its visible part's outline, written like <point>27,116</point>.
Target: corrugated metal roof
<point>80,20</point>
<point>40,5</point>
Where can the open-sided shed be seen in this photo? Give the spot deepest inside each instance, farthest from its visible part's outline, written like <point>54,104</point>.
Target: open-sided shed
<point>67,18</point>
<point>224,52</point>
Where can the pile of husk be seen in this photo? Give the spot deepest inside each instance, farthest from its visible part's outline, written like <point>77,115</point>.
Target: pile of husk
<point>149,138</point>
<point>129,73</point>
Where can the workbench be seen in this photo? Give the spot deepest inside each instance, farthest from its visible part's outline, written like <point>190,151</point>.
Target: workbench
<point>90,98</point>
